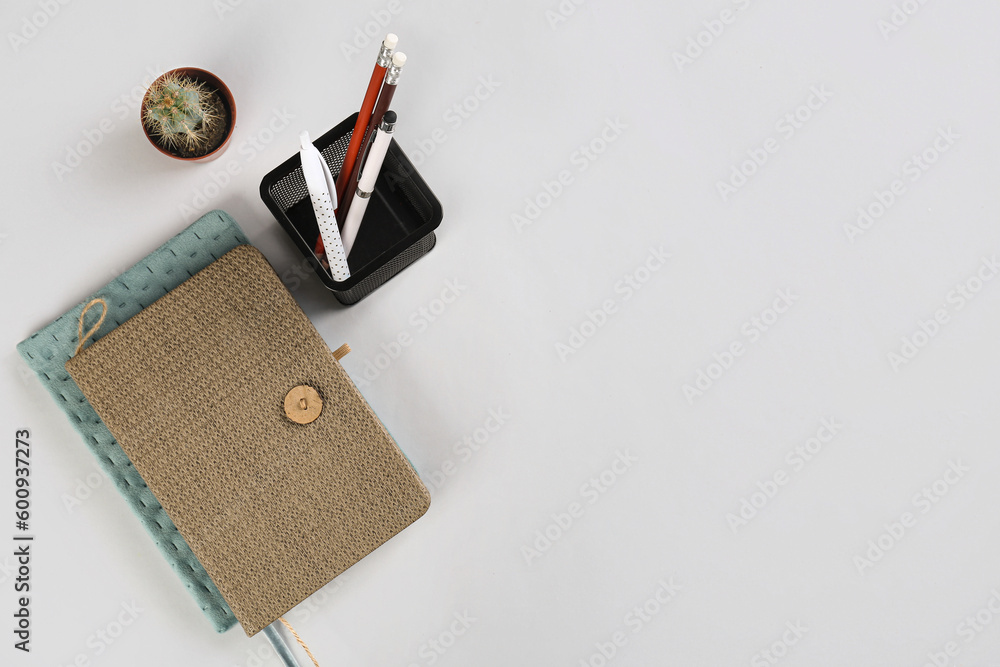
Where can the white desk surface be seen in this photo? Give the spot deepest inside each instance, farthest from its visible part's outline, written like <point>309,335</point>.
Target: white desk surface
<point>840,556</point>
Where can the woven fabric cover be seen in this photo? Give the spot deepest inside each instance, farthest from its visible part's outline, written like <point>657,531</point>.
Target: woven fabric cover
<point>47,351</point>
<point>194,387</point>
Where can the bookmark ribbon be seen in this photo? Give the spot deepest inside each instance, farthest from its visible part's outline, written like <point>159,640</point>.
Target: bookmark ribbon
<point>323,194</point>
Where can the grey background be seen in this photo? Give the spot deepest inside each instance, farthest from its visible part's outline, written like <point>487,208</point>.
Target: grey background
<point>555,86</point>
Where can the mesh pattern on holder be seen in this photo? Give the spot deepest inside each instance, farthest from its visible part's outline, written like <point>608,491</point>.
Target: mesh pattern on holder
<point>292,189</point>
<point>47,351</point>
<point>404,211</point>
<point>388,270</point>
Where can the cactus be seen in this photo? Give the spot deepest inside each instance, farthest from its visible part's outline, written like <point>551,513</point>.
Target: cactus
<point>183,115</point>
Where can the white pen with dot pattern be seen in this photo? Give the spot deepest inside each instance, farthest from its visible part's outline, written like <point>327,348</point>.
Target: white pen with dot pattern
<point>323,194</point>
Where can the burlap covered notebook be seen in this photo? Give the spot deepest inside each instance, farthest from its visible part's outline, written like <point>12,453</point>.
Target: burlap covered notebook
<point>250,434</point>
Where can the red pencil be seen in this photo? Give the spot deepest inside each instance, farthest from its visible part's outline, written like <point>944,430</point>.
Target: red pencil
<point>361,124</point>
<point>384,100</point>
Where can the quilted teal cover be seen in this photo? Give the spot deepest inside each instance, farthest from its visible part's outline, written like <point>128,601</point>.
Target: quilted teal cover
<point>47,351</point>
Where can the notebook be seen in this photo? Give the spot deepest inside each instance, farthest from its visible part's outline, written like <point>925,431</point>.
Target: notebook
<point>251,436</point>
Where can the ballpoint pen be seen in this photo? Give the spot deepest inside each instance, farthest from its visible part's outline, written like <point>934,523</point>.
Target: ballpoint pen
<point>366,182</point>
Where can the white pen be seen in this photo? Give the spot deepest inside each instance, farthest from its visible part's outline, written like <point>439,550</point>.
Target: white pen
<point>323,193</point>
<point>366,181</point>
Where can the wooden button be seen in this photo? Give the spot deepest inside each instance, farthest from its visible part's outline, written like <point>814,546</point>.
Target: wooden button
<point>303,404</point>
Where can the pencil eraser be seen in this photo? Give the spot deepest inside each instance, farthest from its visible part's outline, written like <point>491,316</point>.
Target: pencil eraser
<point>399,59</point>
<point>390,41</point>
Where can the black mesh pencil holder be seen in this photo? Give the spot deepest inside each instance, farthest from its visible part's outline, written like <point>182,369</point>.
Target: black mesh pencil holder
<point>398,227</point>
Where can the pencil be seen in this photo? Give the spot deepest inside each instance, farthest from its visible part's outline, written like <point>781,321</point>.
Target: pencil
<point>360,125</point>
<point>384,100</point>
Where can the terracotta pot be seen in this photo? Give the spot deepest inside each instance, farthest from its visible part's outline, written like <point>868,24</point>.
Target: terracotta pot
<point>227,99</point>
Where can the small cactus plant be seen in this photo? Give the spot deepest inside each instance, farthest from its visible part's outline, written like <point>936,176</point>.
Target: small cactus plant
<point>184,116</point>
